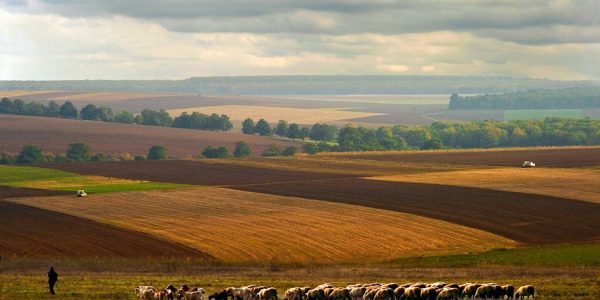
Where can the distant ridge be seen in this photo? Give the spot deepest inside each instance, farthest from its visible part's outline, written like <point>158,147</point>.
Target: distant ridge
<point>307,84</point>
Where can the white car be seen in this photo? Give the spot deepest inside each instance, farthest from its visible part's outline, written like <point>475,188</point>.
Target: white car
<point>528,164</point>
<point>81,193</point>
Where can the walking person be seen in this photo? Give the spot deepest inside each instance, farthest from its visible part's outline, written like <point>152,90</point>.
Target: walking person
<point>52,279</point>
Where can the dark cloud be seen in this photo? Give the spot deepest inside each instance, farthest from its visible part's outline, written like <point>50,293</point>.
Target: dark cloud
<point>512,20</point>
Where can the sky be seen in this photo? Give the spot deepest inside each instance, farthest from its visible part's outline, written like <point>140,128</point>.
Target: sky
<point>177,39</point>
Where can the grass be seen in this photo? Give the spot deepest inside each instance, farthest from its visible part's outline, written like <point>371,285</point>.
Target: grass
<point>579,184</point>
<point>554,283</point>
<point>568,255</point>
<point>241,227</point>
<point>50,179</point>
<point>528,114</point>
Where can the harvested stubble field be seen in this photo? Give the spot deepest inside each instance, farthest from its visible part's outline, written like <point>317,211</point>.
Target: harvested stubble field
<point>237,226</point>
<point>306,116</point>
<point>54,135</point>
<point>526,218</point>
<point>571,183</point>
<point>561,157</point>
<point>37,232</point>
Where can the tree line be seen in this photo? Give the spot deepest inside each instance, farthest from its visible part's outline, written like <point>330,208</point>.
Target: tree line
<point>585,97</point>
<point>91,112</point>
<point>80,152</point>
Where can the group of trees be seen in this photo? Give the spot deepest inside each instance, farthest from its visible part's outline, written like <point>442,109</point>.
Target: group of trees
<point>31,154</point>
<point>243,150</point>
<point>585,97</point>
<point>318,132</point>
<point>488,134</point>
<point>103,113</point>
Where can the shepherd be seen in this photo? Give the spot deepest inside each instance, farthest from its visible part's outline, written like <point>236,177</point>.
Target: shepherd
<point>52,279</point>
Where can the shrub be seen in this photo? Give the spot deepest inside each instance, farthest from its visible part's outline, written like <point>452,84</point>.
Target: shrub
<point>139,157</point>
<point>241,150</point>
<point>78,152</point>
<point>219,152</point>
<point>157,153</point>
<point>289,151</point>
<point>273,150</point>
<point>30,154</point>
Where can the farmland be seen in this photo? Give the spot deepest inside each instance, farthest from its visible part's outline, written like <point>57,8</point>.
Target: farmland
<point>236,226</point>
<point>527,114</point>
<point>54,135</point>
<point>452,215</point>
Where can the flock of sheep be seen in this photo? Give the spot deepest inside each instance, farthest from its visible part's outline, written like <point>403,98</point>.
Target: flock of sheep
<point>371,291</point>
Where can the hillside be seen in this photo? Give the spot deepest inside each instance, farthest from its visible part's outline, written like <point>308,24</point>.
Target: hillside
<point>54,135</point>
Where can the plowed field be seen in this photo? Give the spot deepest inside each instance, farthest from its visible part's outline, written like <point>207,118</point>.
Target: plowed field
<point>204,172</point>
<point>565,157</point>
<point>526,218</point>
<point>34,232</point>
<point>54,135</point>
<point>237,226</point>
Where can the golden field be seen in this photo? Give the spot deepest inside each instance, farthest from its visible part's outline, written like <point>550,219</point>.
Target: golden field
<point>238,226</point>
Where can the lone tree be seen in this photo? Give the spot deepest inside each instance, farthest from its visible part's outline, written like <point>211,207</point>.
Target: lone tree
<point>309,148</point>
<point>294,132</point>
<point>262,127</point>
<point>248,126</point>
<point>157,153</point>
<point>89,112</point>
<point>78,152</point>
<point>68,110</point>
<point>241,150</point>
<point>212,152</point>
<point>30,154</point>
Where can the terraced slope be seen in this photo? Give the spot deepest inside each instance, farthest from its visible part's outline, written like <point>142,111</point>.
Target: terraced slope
<point>237,226</point>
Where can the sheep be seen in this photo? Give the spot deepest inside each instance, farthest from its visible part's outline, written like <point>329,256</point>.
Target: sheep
<point>384,294</point>
<point>399,293</point>
<point>412,293</point>
<point>429,293</point>
<point>293,294</point>
<point>222,295</point>
<point>357,293</point>
<point>370,293</point>
<point>485,291</point>
<point>195,295</point>
<point>267,294</point>
<point>145,292</point>
<point>438,285</point>
<point>525,291</point>
<point>449,294</point>
<point>339,294</point>
<point>315,294</point>
<point>324,285</point>
<point>469,290</point>
<point>509,291</point>
<point>392,286</point>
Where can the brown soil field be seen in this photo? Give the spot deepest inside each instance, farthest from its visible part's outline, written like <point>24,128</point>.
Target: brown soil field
<point>238,226</point>
<point>33,232</point>
<point>200,172</point>
<point>564,157</point>
<point>526,218</point>
<point>11,192</point>
<point>571,183</point>
<point>54,135</point>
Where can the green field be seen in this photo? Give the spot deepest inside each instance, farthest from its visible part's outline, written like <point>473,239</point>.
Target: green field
<point>528,114</point>
<point>575,255</point>
<point>49,179</point>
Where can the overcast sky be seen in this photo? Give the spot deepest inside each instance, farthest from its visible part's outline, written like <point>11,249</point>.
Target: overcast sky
<point>176,39</point>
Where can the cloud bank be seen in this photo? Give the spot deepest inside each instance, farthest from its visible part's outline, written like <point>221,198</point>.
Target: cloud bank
<point>151,39</point>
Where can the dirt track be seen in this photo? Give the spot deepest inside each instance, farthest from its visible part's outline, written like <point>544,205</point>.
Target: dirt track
<point>54,135</point>
<point>526,218</point>
<point>565,157</point>
<point>36,232</point>
<point>189,172</point>
<point>12,192</point>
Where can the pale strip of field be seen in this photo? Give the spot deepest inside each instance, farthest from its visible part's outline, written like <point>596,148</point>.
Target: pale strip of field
<point>274,114</point>
<point>378,99</point>
<point>578,184</point>
<point>341,165</point>
<point>19,93</point>
<point>107,96</point>
<point>238,226</point>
